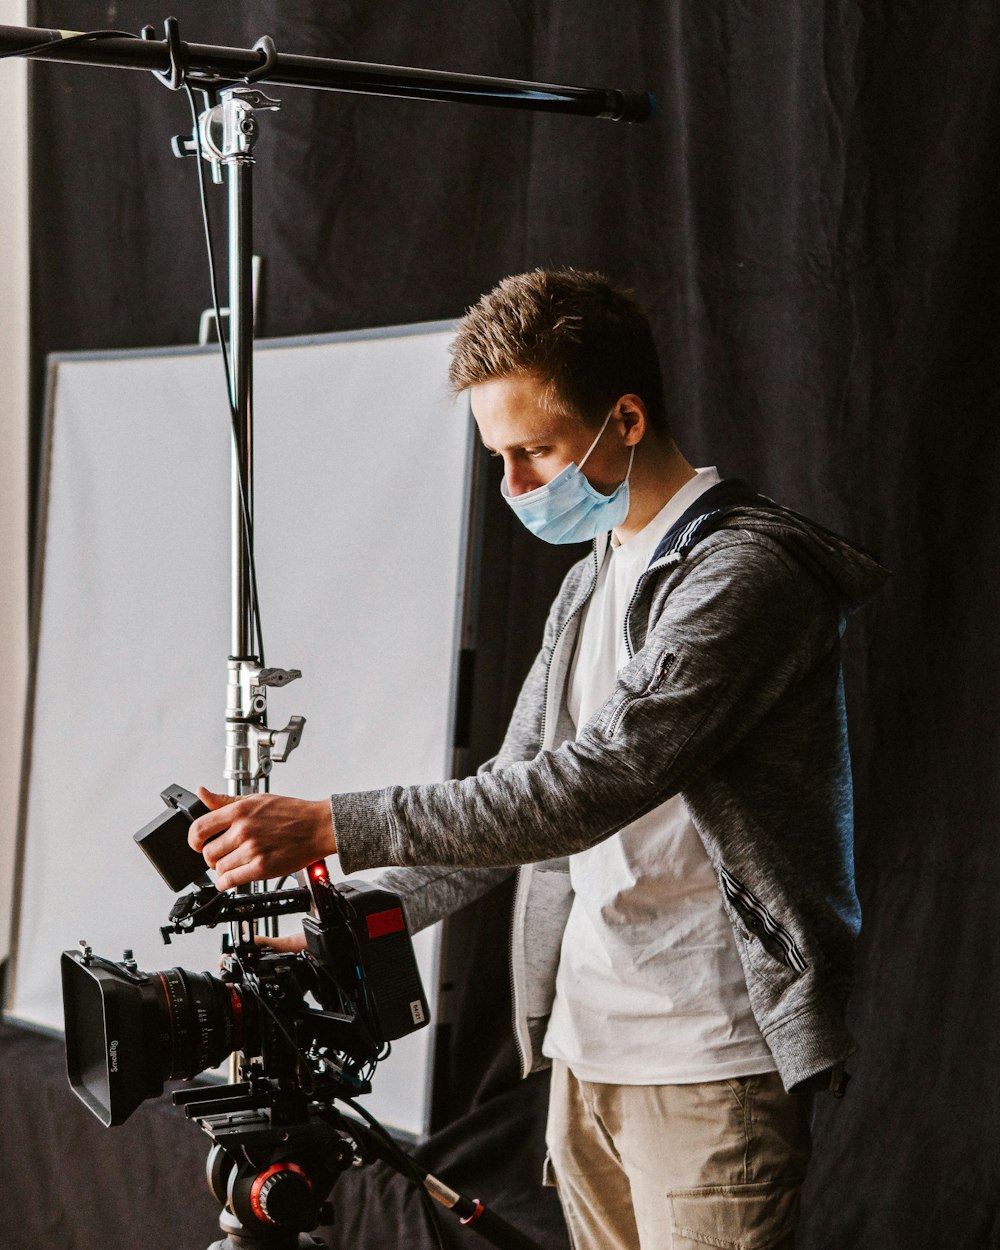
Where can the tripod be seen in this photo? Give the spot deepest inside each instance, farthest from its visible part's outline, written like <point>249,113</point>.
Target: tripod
<point>272,1167</point>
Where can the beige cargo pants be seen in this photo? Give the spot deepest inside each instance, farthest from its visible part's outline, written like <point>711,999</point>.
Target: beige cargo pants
<point>678,1167</point>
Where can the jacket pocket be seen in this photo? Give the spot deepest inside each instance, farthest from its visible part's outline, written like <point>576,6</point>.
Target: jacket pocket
<point>660,670</point>
<point>771,934</point>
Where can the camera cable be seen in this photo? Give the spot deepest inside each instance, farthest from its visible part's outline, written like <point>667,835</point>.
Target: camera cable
<point>471,1213</point>
<point>407,1167</point>
<point>86,36</point>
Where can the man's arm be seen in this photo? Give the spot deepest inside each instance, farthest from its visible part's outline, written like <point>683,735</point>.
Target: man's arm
<point>259,837</point>
<point>739,629</point>
<point>745,623</point>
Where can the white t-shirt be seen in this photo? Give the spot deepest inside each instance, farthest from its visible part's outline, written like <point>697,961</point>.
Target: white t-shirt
<point>650,989</point>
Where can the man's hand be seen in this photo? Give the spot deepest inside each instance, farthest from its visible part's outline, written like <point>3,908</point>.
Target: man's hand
<point>283,945</point>
<point>253,837</point>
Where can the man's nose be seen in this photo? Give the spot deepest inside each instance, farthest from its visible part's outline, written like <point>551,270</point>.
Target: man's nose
<point>520,478</point>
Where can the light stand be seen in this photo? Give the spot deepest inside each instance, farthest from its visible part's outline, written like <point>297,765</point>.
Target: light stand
<point>225,134</point>
<point>174,60</point>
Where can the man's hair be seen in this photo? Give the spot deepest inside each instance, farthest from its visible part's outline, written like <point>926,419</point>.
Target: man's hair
<point>588,341</point>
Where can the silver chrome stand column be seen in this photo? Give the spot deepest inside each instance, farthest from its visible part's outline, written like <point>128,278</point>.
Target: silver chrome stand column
<point>250,747</point>
<point>227,133</point>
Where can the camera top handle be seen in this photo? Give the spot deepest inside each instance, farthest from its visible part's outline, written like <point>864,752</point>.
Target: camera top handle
<point>206,907</point>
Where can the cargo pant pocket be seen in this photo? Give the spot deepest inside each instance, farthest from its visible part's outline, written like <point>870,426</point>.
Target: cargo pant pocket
<point>734,1217</point>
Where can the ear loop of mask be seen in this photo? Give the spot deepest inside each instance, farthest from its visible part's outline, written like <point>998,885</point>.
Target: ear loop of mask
<point>631,454</point>
<point>581,463</point>
<point>631,457</point>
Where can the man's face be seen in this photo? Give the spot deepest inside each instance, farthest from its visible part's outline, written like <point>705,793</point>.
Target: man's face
<point>535,443</point>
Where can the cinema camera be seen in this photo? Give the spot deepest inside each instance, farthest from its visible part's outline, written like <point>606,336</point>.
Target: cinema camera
<point>279,1143</point>
<point>127,1032</point>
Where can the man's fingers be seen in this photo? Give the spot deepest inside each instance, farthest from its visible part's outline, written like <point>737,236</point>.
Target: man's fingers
<point>217,847</point>
<point>213,800</point>
<point>218,819</point>
<point>210,826</point>
<point>239,874</point>
<point>260,836</point>
<point>284,945</point>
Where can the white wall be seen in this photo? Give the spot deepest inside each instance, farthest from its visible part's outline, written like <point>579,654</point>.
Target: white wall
<point>13,441</point>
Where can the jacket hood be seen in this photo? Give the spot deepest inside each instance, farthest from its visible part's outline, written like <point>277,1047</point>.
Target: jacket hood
<point>850,573</point>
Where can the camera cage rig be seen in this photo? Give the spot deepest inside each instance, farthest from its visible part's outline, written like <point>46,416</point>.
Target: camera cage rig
<point>358,964</point>
<point>279,1142</point>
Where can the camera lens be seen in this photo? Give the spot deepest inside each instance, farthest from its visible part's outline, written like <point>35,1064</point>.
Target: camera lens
<point>127,1033</point>
<point>200,1021</point>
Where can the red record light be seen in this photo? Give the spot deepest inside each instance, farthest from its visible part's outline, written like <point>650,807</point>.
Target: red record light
<point>318,871</point>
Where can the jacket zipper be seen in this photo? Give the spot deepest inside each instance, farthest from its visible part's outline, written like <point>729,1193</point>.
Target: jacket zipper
<point>522,1058</point>
<point>662,668</point>
<point>559,637</point>
<point>672,557</point>
<point>541,742</point>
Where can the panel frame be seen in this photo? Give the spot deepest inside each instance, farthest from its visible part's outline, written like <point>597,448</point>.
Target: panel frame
<point>463,630</point>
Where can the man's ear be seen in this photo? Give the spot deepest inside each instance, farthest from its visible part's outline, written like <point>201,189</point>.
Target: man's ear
<point>632,412</point>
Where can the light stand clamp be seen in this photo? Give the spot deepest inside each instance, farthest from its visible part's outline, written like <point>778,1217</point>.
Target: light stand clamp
<point>251,747</point>
<point>228,130</point>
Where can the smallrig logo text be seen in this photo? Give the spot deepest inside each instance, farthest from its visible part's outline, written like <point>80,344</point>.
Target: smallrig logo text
<point>113,1056</point>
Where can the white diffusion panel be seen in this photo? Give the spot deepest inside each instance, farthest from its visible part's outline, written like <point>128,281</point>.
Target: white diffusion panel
<point>361,502</point>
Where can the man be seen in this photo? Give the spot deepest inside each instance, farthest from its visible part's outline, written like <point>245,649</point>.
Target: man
<point>674,788</point>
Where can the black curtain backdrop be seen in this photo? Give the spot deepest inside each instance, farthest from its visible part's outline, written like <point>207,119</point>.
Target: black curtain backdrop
<point>812,221</point>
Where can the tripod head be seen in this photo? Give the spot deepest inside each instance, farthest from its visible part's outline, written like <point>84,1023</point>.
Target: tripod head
<point>272,1163</point>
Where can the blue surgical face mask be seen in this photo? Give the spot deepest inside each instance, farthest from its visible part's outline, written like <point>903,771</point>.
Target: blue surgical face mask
<point>568,509</point>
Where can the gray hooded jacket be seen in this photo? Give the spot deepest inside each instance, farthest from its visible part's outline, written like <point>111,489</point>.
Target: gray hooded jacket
<point>734,698</point>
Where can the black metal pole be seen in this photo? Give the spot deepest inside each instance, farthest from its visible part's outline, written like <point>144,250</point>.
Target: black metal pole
<point>206,61</point>
<point>239,176</point>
